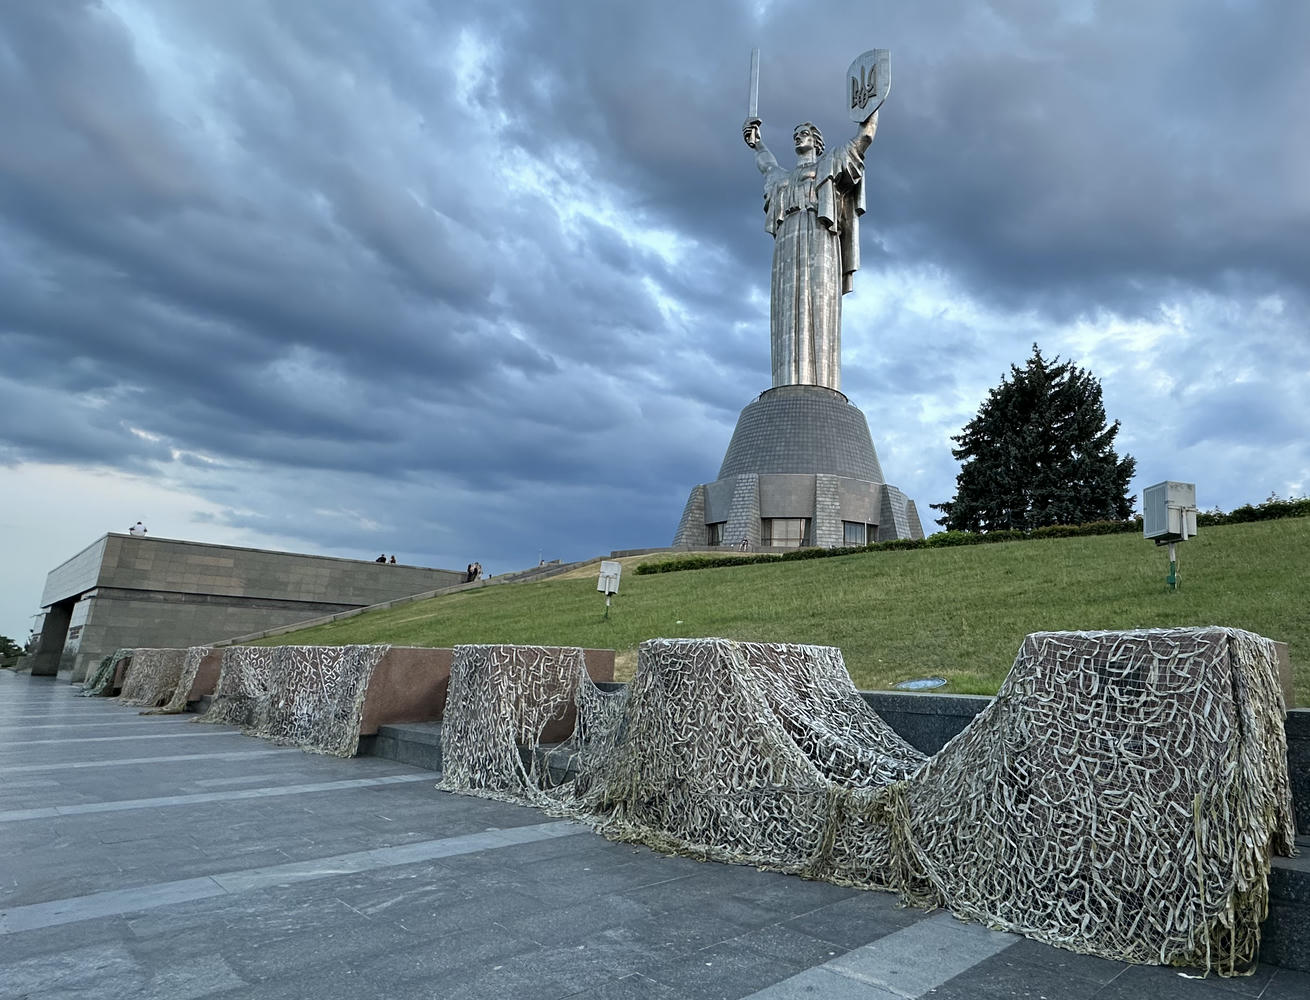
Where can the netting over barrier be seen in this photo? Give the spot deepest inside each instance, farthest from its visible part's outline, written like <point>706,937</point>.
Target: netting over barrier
<point>508,697</point>
<point>306,696</point>
<point>98,682</point>
<point>177,703</point>
<point>154,675</point>
<point>1119,797</point>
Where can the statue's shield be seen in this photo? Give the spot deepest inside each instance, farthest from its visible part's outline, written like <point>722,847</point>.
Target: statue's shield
<point>867,82</point>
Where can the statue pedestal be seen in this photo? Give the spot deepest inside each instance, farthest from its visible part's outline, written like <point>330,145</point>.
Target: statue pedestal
<point>800,469</point>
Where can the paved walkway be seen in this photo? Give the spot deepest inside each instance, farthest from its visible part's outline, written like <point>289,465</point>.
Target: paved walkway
<point>143,856</point>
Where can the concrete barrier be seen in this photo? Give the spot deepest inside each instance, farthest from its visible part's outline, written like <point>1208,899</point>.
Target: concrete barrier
<point>928,721</point>
<point>120,675</point>
<point>206,678</point>
<point>409,684</point>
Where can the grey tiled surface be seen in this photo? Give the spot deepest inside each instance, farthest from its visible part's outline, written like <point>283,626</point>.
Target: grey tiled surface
<point>743,519</point>
<point>803,429</point>
<point>692,530</point>
<point>827,512</point>
<point>895,519</point>
<point>313,893</point>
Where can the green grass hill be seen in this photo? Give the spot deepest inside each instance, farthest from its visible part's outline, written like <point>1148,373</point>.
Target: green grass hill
<point>959,613</point>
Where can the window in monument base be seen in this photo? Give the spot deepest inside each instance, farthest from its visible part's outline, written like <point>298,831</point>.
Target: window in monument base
<point>787,532</point>
<point>716,532</point>
<point>856,533</point>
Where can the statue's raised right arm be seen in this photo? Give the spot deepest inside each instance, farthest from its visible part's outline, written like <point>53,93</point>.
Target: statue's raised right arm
<point>865,133</point>
<point>750,132</point>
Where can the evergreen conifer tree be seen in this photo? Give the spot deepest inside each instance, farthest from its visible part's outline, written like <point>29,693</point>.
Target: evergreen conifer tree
<point>1039,452</point>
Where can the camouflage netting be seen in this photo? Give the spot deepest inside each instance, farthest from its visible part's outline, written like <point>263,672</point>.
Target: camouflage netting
<point>507,697</point>
<point>306,696</point>
<point>155,675</point>
<point>177,704</point>
<point>1119,797</point>
<point>98,683</point>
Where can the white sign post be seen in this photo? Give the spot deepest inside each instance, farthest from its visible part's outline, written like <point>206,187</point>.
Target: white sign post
<point>608,583</point>
<point>1169,517</point>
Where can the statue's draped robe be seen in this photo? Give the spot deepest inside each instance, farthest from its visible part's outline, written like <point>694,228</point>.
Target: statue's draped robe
<point>812,212</point>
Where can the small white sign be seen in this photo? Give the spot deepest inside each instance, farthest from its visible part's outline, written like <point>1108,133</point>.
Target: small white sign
<point>610,570</point>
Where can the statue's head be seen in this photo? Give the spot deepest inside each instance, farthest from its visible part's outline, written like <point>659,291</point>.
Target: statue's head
<point>807,137</point>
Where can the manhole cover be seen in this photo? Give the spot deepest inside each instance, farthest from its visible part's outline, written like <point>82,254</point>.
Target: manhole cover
<point>922,684</point>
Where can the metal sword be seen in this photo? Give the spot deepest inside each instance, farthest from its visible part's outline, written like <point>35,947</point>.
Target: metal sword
<point>754,111</point>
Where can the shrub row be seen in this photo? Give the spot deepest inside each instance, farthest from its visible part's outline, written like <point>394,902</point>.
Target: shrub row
<point>1271,509</point>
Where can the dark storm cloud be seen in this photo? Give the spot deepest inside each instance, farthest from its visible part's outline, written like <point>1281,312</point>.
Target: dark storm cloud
<point>53,426</point>
<point>1039,154</point>
<point>499,271</point>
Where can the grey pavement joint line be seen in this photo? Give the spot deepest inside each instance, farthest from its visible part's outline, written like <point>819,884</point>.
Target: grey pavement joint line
<point>19,744</point>
<point>70,765</point>
<point>115,902</point>
<point>903,965</point>
<point>136,720</point>
<point>196,798</point>
<point>98,713</point>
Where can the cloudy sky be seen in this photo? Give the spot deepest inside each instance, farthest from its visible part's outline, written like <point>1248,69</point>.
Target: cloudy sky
<point>490,281</point>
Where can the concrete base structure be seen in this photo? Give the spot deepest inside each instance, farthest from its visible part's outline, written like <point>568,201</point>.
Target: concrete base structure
<point>800,470</point>
<point>128,591</point>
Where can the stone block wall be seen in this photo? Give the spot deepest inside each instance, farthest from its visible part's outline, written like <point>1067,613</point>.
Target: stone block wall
<point>692,531</point>
<point>744,512</point>
<point>127,591</point>
<point>808,453</point>
<point>44,660</point>
<point>900,517</point>
<point>177,566</point>
<point>826,500</point>
<point>121,619</point>
<point>912,513</point>
<point>826,528</point>
<point>81,572</point>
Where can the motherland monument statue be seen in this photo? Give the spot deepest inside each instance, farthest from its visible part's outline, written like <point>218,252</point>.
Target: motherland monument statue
<point>801,469</point>
<point>812,212</point>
